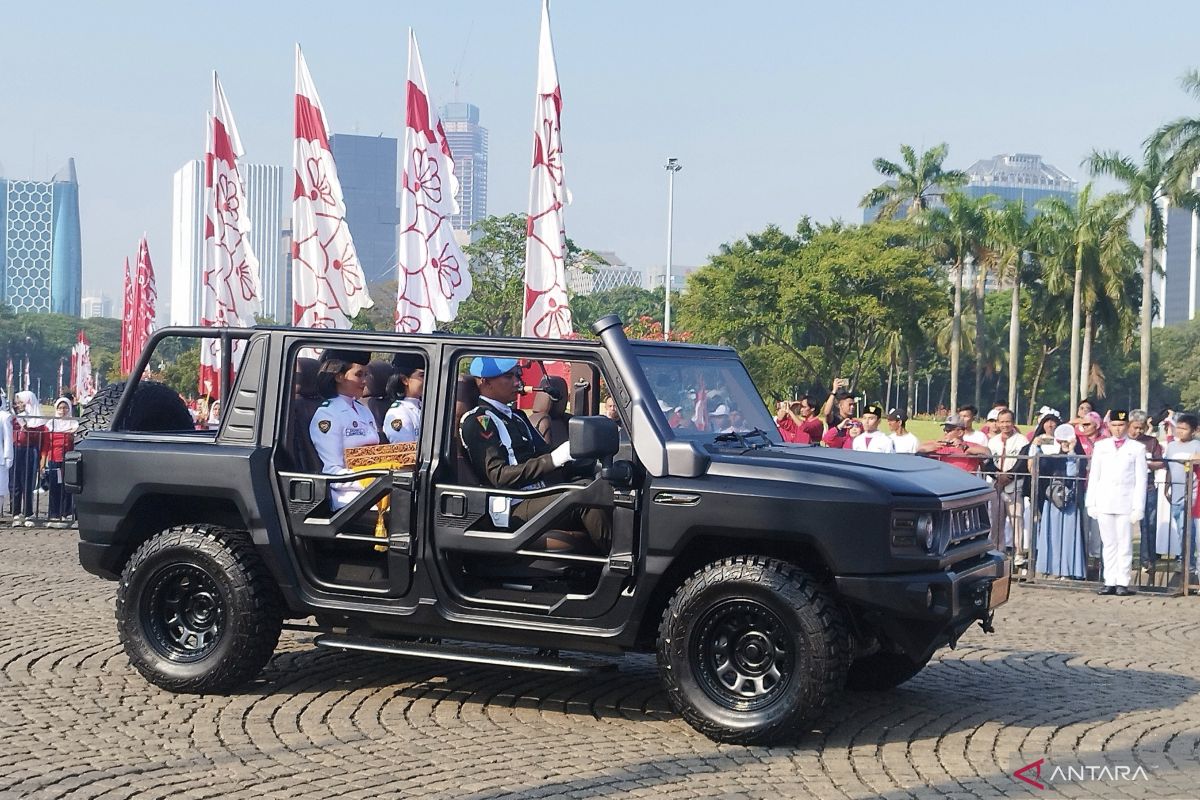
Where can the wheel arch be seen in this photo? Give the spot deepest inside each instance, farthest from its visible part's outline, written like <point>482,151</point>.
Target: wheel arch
<point>154,512</point>
<point>705,546</point>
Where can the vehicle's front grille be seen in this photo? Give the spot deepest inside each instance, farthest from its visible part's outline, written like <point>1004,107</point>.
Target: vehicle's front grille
<point>967,524</point>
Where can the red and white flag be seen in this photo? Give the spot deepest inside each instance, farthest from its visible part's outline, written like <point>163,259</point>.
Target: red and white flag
<point>82,381</point>
<point>230,294</point>
<point>145,296</point>
<point>432,278</point>
<point>128,355</point>
<point>547,314</point>
<point>328,287</point>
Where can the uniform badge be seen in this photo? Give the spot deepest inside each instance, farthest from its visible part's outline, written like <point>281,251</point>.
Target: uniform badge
<point>485,423</point>
<point>397,424</point>
<point>354,424</point>
<point>324,426</point>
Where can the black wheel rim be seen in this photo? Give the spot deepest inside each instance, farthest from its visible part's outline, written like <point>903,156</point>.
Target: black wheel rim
<point>742,654</point>
<point>183,612</point>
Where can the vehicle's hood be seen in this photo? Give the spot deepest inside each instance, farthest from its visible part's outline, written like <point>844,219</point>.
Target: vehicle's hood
<point>898,474</point>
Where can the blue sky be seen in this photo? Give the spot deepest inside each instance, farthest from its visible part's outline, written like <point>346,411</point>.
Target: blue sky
<point>775,109</point>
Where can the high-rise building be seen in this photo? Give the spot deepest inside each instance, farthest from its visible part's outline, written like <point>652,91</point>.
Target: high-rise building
<point>366,168</point>
<point>96,305</point>
<point>265,200</point>
<point>1011,176</point>
<point>468,142</point>
<point>1178,289</point>
<point>41,261</point>
<point>601,271</point>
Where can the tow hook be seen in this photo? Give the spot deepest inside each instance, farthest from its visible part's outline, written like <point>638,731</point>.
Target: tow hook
<point>986,622</point>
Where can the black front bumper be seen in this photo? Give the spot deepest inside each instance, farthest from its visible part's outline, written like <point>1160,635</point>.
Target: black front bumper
<point>921,611</point>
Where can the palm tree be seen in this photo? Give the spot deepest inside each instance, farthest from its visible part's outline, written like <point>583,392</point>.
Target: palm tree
<point>958,232</point>
<point>1181,139</point>
<point>913,182</point>
<point>1068,243</point>
<point>1111,279</point>
<point>1009,237</point>
<point>1146,188</point>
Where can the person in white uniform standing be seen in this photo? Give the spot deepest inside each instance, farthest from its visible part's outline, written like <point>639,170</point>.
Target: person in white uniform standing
<point>1116,499</point>
<point>342,421</point>
<point>872,440</point>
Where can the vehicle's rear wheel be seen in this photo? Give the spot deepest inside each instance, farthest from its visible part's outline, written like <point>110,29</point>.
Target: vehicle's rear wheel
<point>750,648</point>
<point>153,407</point>
<point>882,671</point>
<point>197,610</point>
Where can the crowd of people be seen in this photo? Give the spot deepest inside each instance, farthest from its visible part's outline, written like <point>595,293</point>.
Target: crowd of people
<point>33,448</point>
<point>1073,489</point>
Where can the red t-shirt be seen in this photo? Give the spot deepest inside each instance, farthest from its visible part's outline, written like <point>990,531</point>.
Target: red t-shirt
<point>955,457</point>
<point>814,427</point>
<point>791,432</point>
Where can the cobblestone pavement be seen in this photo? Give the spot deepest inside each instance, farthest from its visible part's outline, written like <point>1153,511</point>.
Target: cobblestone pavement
<point>1080,681</point>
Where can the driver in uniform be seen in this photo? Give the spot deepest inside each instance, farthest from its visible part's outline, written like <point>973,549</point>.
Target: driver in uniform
<point>505,451</point>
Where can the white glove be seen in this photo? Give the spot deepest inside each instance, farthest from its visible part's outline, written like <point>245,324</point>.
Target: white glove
<point>1136,515</point>
<point>561,454</point>
<point>8,462</point>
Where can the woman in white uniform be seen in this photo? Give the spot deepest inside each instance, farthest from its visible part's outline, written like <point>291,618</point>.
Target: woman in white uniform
<point>343,421</point>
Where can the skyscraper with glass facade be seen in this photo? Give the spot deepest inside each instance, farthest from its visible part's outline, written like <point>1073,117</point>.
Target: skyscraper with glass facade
<point>1178,288</point>
<point>265,198</point>
<point>41,261</point>
<point>468,142</point>
<point>366,167</point>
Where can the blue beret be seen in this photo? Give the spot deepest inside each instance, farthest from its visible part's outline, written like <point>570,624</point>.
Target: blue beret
<point>489,367</point>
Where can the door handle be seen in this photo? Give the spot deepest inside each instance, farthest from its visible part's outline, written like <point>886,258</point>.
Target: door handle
<point>453,504</point>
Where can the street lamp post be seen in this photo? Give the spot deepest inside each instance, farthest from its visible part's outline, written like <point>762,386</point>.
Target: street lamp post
<point>672,167</point>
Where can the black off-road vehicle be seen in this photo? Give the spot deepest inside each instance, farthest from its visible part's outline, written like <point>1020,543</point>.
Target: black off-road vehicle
<point>766,576</point>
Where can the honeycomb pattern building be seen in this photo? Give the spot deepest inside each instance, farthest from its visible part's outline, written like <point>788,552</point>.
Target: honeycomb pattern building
<point>41,265</point>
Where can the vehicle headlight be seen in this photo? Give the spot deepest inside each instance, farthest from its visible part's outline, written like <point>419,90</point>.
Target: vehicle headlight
<point>925,532</point>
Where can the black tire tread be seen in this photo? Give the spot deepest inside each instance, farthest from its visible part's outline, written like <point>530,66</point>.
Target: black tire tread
<point>153,407</point>
<point>789,580</point>
<point>262,616</point>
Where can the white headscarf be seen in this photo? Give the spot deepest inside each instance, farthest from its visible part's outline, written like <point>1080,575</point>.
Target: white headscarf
<point>33,408</point>
<point>57,424</point>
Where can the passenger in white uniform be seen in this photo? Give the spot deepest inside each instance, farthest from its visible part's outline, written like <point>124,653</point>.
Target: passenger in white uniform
<point>342,421</point>
<point>402,422</point>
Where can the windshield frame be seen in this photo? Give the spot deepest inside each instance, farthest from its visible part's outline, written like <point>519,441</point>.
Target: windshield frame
<point>738,386</point>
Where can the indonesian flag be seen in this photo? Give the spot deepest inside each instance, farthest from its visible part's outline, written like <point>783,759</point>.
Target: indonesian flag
<point>128,355</point>
<point>433,277</point>
<point>547,315</point>
<point>81,369</point>
<point>145,297</point>
<point>230,294</point>
<point>328,287</point>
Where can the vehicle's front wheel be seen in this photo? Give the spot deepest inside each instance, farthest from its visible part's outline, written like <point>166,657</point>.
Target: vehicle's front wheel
<point>197,610</point>
<point>881,671</point>
<point>750,648</point>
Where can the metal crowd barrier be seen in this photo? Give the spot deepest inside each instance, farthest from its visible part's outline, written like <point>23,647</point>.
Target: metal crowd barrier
<point>1052,540</point>
<point>35,491</point>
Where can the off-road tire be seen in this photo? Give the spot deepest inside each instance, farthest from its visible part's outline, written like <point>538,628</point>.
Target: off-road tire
<point>211,568</point>
<point>881,671</point>
<point>153,407</point>
<point>809,639</point>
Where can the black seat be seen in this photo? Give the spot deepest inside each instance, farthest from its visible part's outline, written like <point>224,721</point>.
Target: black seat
<point>305,402</point>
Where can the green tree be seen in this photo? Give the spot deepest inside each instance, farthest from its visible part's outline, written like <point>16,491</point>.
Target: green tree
<point>497,258</point>
<point>627,302</point>
<point>1069,241</point>
<point>957,233</point>
<point>1145,187</point>
<point>1009,239</point>
<point>821,303</point>
<point>912,182</point>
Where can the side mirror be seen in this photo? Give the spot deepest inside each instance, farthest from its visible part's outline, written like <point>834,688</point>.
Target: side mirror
<point>593,437</point>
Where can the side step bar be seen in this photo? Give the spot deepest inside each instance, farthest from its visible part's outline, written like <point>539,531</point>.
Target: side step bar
<point>466,655</point>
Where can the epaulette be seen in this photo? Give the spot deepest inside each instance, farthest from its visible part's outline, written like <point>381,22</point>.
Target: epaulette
<point>327,402</point>
<point>396,404</point>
